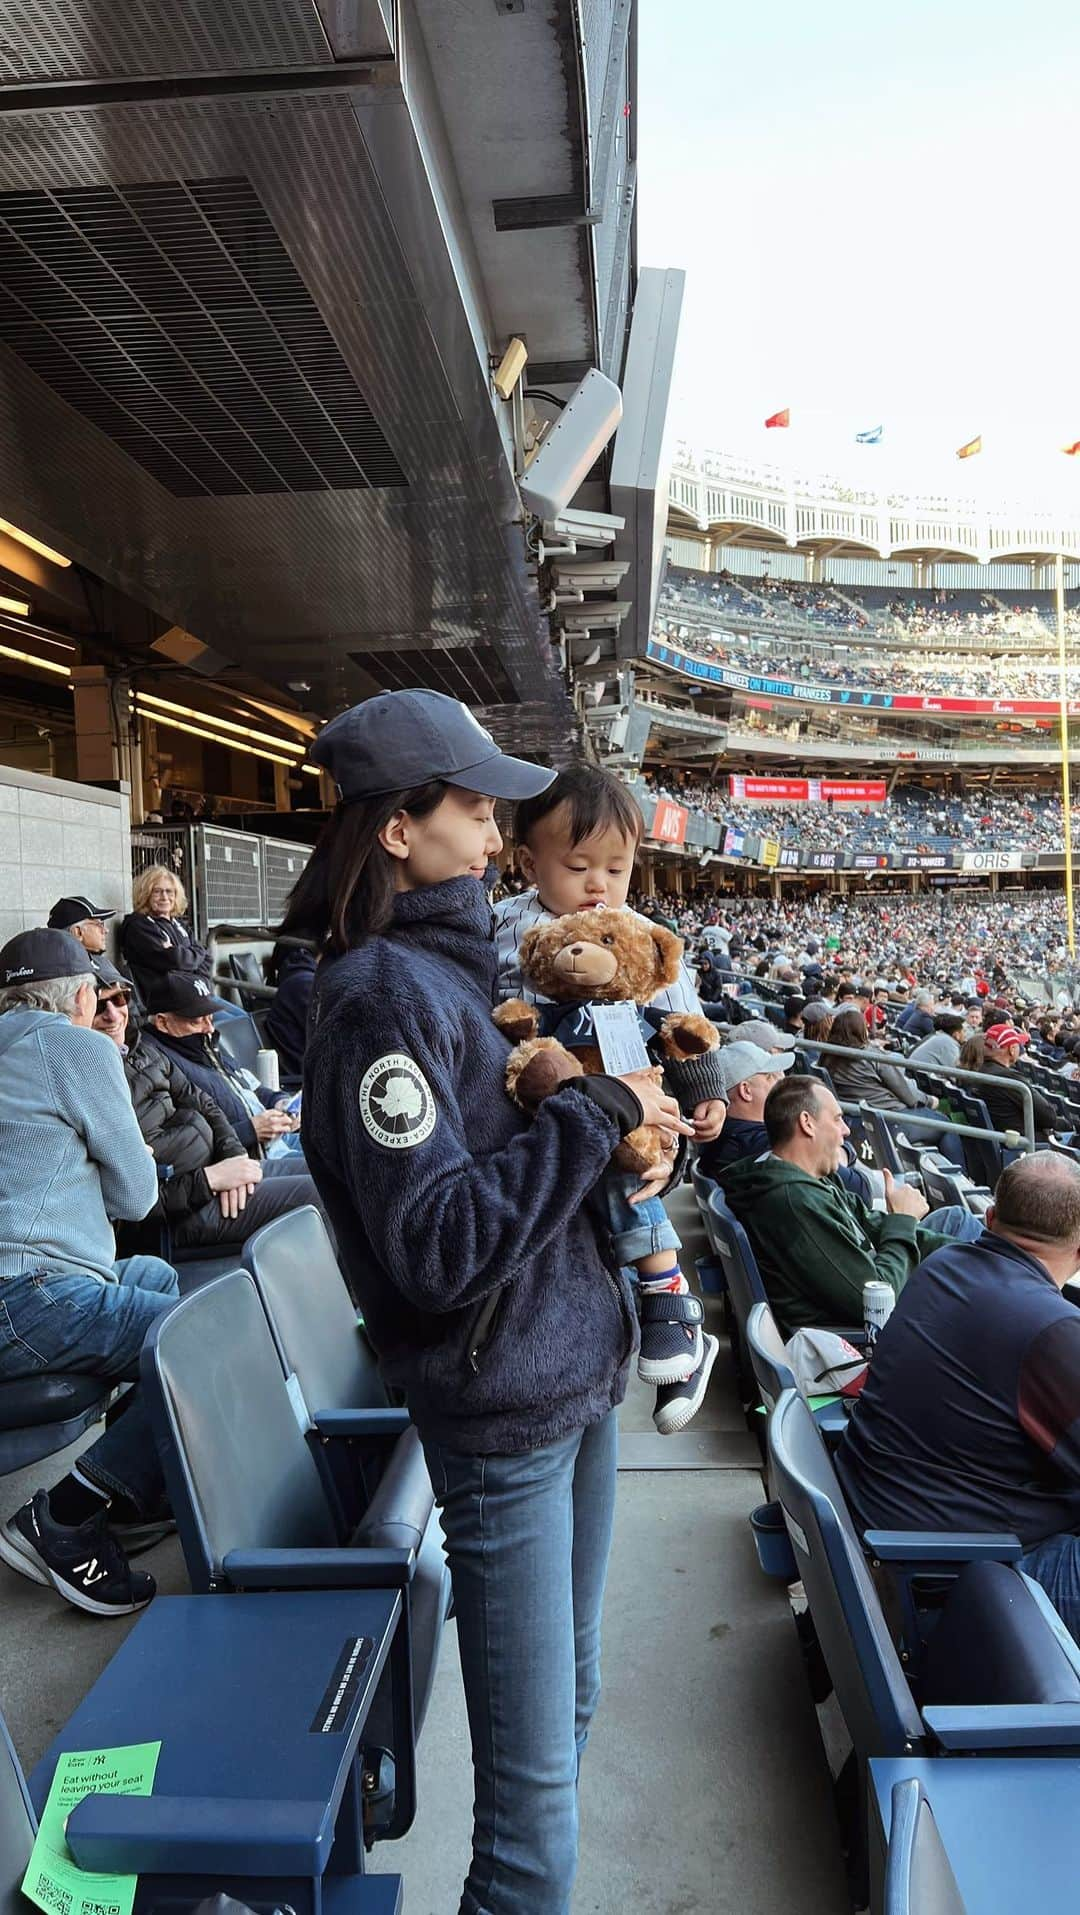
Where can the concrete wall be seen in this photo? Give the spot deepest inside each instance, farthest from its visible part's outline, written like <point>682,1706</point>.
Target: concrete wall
<point>58,839</point>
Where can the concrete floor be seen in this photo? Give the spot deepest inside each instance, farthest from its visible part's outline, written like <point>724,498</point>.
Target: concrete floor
<point>704,1791</point>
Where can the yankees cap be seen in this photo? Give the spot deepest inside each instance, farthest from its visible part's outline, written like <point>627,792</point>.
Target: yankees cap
<point>34,957</point>
<point>398,740</point>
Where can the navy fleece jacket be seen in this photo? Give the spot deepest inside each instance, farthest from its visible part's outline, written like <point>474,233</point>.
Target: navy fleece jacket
<point>460,1221</point>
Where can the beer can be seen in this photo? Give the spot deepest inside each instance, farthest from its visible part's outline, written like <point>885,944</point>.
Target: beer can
<point>877,1300</point>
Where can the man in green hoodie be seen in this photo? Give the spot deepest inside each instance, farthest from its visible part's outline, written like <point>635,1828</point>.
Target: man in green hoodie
<point>816,1244</point>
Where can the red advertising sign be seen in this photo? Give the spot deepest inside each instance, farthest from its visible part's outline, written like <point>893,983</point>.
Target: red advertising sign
<point>785,788</point>
<point>870,791</point>
<point>987,707</point>
<point>669,823</point>
<point>865,791</point>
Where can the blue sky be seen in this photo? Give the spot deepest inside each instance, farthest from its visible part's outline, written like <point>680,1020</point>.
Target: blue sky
<point>876,210</point>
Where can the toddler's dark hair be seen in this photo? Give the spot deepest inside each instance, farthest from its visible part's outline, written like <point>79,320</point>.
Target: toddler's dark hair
<point>596,800</point>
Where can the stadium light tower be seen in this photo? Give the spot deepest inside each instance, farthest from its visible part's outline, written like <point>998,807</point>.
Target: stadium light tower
<point>1066,800</point>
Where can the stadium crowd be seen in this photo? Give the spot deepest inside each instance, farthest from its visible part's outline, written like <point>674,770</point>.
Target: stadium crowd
<point>911,820</point>
<point>928,674</point>
<point>877,611</point>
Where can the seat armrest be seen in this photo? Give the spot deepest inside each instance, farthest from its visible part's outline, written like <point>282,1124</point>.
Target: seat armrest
<point>319,1568</point>
<point>913,1546</point>
<point>851,1333</point>
<point>198,1835</point>
<point>1011,1725</point>
<point>361,1422</point>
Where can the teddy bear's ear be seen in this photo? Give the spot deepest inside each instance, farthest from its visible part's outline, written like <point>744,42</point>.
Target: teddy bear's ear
<point>668,950</point>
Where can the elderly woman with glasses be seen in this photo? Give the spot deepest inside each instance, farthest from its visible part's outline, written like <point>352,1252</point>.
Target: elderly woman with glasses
<point>155,939</point>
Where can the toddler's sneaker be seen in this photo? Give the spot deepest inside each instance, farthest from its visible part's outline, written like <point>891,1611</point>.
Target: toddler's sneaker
<point>671,1336</point>
<point>677,1403</point>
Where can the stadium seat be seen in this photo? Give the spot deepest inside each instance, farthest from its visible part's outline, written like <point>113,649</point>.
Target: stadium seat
<point>996,1635</point>
<point>918,1878</point>
<point>261,1709</point>
<point>239,1039</point>
<point>773,1375</point>
<point>962,1838</point>
<point>1015,1652</point>
<point>742,1280</point>
<point>18,1826</point>
<point>377,1460</point>
<point>40,1415</point>
<point>252,1506</point>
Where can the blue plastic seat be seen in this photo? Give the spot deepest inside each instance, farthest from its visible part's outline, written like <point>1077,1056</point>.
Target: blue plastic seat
<point>40,1415</point>
<point>253,1508</point>
<point>261,1709</point>
<point>972,1838</point>
<point>732,1246</point>
<point>918,1877</point>
<point>322,1347</point>
<point>999,1669</point>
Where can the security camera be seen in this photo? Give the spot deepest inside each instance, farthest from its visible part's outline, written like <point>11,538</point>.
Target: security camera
<point>572,446</point>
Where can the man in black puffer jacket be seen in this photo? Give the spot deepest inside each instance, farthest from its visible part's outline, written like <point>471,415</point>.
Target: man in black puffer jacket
<point>211,1192</point>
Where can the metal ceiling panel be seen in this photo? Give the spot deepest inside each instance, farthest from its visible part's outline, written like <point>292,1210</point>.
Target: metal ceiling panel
<point>55,40</point>
<point>293,584</point>
<point>171,315</point>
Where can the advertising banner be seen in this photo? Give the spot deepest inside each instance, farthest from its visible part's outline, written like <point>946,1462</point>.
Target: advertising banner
<point>770,853</point>
<point>790,790</point>
<point>866,791</point>
<point>848,696</point>
<point>820,861</point>
<point>669,823</point>
<point>992,861</point>
<point>866,860</point>
<point>789,857</point>
<point>734,843</point>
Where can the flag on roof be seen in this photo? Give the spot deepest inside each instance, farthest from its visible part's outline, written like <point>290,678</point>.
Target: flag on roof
<point>1071,451</point>
<point>780,418</point>
<point>972,447</point>
<point>872,437</point>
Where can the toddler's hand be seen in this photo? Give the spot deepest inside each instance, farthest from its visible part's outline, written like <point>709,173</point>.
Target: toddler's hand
<point>652,1183</point>
<point>709,1120</point>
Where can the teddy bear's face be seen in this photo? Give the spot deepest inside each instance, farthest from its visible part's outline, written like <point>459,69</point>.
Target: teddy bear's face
<point>600,957</point>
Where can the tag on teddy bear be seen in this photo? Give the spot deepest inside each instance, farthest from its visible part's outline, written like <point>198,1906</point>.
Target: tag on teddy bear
<point>619,1037</point>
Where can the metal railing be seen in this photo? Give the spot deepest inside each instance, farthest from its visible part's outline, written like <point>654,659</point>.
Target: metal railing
<point>900,1062</point>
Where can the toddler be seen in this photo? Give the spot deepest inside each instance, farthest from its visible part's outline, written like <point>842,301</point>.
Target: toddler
<point>577,844</point>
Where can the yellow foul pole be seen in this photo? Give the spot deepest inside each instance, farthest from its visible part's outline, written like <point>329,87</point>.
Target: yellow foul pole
<point>1066,803</point>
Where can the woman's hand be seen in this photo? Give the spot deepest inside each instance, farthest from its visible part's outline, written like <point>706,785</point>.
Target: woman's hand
<point>657,1107</point>
<point>270,1124</point>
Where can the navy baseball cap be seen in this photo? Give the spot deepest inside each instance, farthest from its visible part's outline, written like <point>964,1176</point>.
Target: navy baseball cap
<point>34,957</point>
<point>397,740</point>
<point>69,911</point>
<point>183,996</point>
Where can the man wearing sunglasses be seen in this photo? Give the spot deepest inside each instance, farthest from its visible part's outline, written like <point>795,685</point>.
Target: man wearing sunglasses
<point>72,1161</point>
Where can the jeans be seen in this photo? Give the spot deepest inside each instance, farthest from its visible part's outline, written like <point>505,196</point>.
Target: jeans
<point>527,1538</point>
<point>207,1229</point>
<point>83,1326</point>
<point>1055,1565</point>
<point>952,1220</point>
<point>637,1230</point>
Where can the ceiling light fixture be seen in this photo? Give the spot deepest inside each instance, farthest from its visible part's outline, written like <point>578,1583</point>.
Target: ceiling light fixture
<point>211,738</point>
<point>151,700</point>
<point>27,658</point>
<point>20,606</point>
<point>311,771</point>
<point>35,545</point>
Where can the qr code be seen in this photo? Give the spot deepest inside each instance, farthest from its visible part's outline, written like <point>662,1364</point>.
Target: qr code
<point>54,1895</point>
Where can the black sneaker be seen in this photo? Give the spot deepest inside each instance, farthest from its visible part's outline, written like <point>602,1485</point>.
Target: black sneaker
<point>85,1565</point>
<point>677,1403</point>
<point>671,1339</point>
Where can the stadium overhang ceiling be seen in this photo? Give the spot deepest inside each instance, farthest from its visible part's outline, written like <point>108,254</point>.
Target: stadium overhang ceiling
<point>251,265</point>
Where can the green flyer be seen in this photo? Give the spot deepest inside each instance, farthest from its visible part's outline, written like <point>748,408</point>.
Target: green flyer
<point>52,1880</point>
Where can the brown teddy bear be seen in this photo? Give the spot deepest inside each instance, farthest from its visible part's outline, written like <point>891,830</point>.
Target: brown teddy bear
<point>602,957</point>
